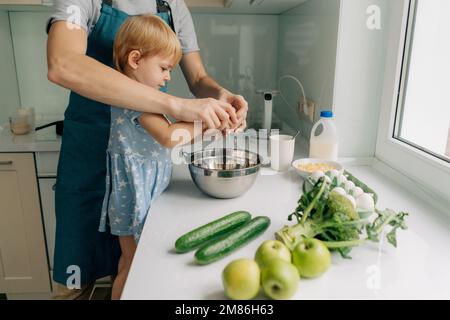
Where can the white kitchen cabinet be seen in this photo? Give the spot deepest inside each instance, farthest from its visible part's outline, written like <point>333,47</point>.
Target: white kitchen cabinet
<point>243,6</point>
<point>192,3</point>
<point>23,256</point>
<point>201,6</point>
<point>27,2</point>
<point>26,5</point>
<point>47,165</point>
<point>208,3</point>
<point>47,191</point>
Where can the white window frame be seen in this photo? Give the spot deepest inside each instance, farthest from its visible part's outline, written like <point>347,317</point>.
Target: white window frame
<point>426,171</point>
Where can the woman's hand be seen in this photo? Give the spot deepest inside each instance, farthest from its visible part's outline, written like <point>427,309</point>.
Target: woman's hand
<point>241,107</point>
<point>213,113</point>
<point>202,85</point>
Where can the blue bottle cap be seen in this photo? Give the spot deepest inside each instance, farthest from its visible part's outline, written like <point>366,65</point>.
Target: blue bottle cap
<point>326,114</point>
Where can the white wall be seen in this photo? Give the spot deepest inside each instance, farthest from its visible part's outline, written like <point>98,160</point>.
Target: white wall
<point>307,50</point>
<point>359,77</point>
<point>9,94</point>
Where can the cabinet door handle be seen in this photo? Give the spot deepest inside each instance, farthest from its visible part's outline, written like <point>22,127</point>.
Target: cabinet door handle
<point>6,163</point>
<point>54,187</point>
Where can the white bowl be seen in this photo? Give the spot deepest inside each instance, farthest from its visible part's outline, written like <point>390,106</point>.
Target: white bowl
<point>306,174</point>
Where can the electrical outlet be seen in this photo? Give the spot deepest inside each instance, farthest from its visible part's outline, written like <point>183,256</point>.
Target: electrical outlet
<point>308,112</point>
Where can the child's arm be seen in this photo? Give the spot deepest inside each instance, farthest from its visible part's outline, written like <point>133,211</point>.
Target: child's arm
<point>162,130</point>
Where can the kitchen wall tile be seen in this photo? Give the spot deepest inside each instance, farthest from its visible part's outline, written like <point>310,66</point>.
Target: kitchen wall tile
<point>307,50</point>
<point>29,38</point>
<point>9,93</point>
<point>239,51</point>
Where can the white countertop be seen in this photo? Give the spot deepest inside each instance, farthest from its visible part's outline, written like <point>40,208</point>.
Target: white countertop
<point>417,269</point>
<point>44,140</point>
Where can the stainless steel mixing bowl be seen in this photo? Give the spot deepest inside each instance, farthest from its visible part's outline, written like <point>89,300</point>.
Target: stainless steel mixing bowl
<point>224,173</point>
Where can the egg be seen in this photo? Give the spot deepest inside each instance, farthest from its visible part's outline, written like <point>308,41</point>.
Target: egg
<point>340,191</point>
<point>352,200</point>
<point>365,202</point>
<point>356,192</point>
<point>341,179</point>
<point>348,186</point>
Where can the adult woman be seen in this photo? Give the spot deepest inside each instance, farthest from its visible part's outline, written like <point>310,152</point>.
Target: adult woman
<point>80,44</point>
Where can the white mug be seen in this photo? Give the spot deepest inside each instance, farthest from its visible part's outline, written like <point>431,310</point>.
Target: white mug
<point>282,149</point>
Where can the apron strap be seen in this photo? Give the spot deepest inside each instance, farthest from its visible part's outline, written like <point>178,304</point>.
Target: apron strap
<point>163,7</point>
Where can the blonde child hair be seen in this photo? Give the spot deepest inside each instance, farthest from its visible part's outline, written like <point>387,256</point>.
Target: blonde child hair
<point>148,34</point>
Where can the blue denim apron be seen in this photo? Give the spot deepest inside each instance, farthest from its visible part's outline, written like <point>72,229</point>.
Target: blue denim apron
<point>80,186</point>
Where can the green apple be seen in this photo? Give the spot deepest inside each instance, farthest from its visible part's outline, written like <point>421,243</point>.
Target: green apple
<point>279,279</point>
<point>311,257</point>
<point>272,249</point>
<point>241,279</point>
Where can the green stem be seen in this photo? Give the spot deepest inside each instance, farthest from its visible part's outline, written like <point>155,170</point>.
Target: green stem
<point>344,244</point>
<point>313,203</point>
<point>361,222</point>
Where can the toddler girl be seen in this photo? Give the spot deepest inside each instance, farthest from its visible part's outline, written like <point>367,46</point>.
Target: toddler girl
<point>138,156</point>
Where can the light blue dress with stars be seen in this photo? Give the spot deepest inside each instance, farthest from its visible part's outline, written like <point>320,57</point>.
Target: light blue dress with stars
<point>139,169</point>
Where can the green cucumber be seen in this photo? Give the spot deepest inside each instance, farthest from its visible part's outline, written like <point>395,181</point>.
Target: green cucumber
<point>222,247</point>
<point>210,231</point>
<point>362,185</point>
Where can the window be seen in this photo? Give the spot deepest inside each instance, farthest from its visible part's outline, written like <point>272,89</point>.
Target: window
<point>423,110</point>
<point>414,122</point>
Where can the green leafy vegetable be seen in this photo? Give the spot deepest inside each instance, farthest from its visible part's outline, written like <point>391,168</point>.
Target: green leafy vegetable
<point>331,217</point>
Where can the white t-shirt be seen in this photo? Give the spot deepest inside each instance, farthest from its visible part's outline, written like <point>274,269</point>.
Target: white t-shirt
<point>90,13</point>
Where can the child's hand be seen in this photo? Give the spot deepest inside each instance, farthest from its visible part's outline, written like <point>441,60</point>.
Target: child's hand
<point>224,131</point>
<point>209,132</point>
<point>233,129</point>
